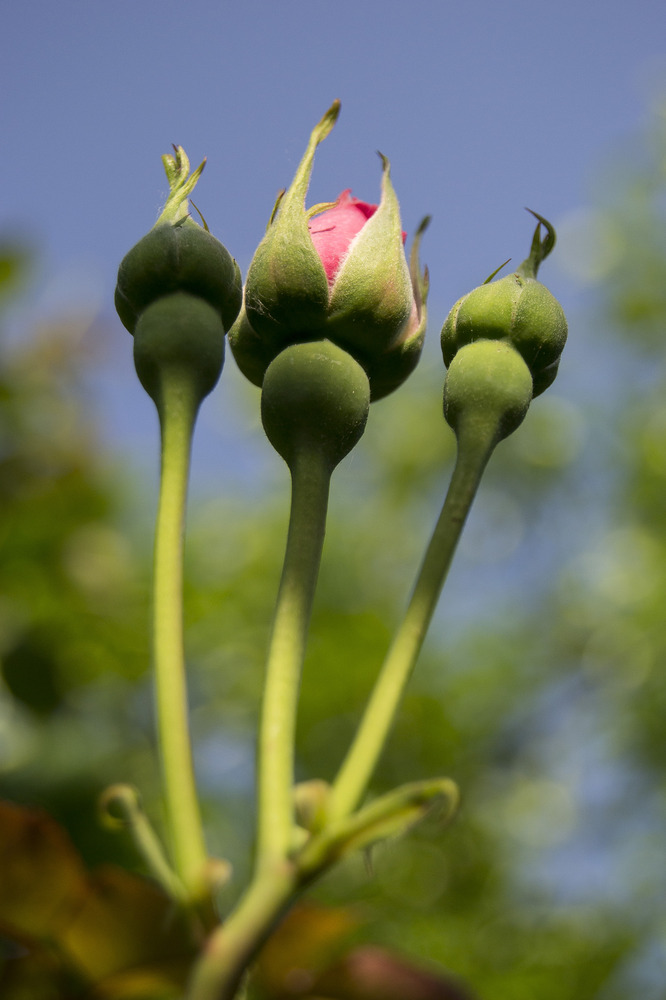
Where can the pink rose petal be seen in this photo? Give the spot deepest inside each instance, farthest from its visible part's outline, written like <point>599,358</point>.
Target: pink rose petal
<point>333,230</point>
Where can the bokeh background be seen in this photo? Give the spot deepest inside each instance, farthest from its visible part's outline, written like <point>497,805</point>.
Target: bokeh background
<point>541,689</point>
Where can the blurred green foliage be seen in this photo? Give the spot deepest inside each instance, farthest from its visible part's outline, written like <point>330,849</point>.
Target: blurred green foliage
<point>541,690</point>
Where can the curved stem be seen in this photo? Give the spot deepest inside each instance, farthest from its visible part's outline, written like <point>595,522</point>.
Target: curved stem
<point>177,412</point>
<point>120,807</point>
<point>232,947</point>
<point>310,475</point>
<point>475,446</point>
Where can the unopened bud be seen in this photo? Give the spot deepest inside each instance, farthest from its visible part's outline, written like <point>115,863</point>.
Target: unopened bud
<point>517,309</point>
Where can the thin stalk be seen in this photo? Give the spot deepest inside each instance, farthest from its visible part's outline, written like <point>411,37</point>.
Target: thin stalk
<point>232,947</point>
<point>121,808</point>
<point>474,450</point>
<point>177,412</point>
<point>310,475</point>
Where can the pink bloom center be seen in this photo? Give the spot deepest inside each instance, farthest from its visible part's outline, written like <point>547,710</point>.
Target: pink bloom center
<point>333,230</point>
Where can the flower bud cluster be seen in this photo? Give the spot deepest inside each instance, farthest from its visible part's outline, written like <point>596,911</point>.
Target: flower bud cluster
<point>336,276</point>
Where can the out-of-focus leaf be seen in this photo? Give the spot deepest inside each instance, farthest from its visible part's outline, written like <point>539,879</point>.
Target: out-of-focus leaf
<point>124,922</point>
<point>109,928</point>
<point>42,878</point>
<point>164,981</point>
<point>370,973</point>
<point>37,974</point>
<point>304,945</point>
<point>30,671</point>
<point>308,956</point>
<point>14,263</point>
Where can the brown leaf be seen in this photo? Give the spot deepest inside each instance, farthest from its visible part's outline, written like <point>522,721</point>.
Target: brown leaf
<point>110,928</point>
<point>370,973</point>
<point>307,941</point>
<point>42,878</point>
<point>124,922</point>
<point>28,975</point>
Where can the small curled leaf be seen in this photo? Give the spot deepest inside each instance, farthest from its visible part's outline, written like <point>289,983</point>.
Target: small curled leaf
<point>389,815</point>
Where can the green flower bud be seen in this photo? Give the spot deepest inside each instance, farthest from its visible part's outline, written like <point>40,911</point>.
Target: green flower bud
<point>179,336</point>
<point>337,272</point>
<point>177,255</point>
<point>310,801</point>
<point>488,387</point>
<point>315,397</point>
<point>517,309</point>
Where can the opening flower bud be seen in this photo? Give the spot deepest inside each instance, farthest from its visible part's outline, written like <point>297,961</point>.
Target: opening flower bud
<point>337,272</point>
<point>517,309</point>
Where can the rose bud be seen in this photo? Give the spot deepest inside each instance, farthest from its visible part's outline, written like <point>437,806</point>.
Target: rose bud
<point>178,292</point>
<point>178,255</point>
<point>336,271</point>
<point>517,309</point>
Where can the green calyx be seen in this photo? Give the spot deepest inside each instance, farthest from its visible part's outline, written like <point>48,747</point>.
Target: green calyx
<point>180,258</point>
<point>314,400</point>
<point>517,309</point>
<point>177,255</point>
<point>286,292</point>
<point>179,339</point>
<point>488,390</point>
<point>540,247</point>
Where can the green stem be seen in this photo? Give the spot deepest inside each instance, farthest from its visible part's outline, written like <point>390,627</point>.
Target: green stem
<point>475,447</point>
<point>177,412</point>
<point>232,947</point>
<point>121,807</point>
<point>310,475</point>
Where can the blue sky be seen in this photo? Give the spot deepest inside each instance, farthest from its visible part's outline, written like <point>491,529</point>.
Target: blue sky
<point>483,108</point>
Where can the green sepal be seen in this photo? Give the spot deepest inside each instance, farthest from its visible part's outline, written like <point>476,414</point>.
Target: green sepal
<point>371,299</point>
<point>540,247</point>
<point>286,291</point>
<point>178,258</point>
<point>539,330</point>
<point>251,353</point>
<point>181,184</point>
<point>390,815</point>
<point>389,370</point>
<point>497,270</point>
